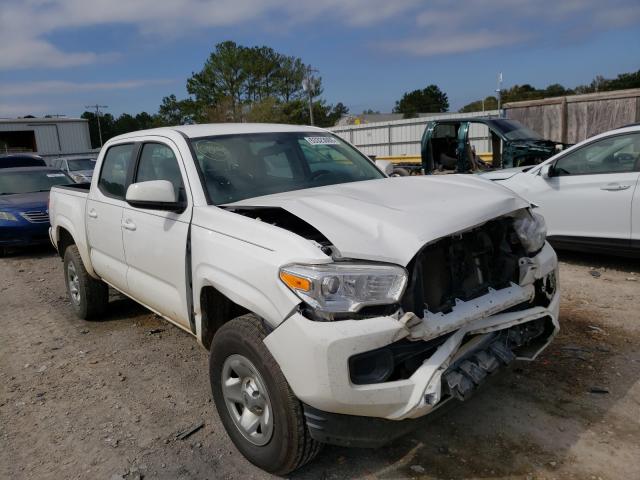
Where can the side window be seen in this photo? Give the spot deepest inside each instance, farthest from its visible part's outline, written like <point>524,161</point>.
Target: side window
<point>158,162</point>
<point>113,174</point>
<point>609,155</point>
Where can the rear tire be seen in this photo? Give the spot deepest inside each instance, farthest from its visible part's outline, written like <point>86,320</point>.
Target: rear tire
<point>89,297</point>
<point>286,444</point>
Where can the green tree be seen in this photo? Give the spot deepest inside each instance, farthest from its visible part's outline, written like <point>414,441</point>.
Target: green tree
<point>428,100</point>
<point>490,103</point>
<point>107,127</point>
<point>239,83</point>
<point>176,112</point>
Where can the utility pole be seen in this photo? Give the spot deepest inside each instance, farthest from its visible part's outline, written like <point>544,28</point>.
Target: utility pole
<point>499,92</point>
<point>97,109</point>
<point>308,85</point>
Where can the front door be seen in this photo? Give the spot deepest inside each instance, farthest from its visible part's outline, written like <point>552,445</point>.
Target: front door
<point>155,241</point>
<point>590,190</point>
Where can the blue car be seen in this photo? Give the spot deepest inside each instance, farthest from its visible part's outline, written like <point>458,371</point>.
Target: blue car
<point>24,209</point>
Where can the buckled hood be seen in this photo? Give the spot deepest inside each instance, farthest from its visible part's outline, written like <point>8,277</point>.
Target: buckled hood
<point>390,219</point>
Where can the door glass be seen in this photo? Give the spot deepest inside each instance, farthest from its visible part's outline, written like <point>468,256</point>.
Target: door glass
<point>158,162</point>
<point>113,175</point>
<point>609,155</point>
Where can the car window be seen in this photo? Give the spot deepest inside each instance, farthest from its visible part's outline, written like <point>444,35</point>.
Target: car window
<point>236,167</point>
<point>12,182</point>
<point>444,130</point>
<point>616,154</point>
<point>80,164</point>
<point>115,166</point>
<point>158,162</point>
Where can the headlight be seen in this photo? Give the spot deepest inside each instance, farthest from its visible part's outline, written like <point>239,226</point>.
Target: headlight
<point>345,287</point>
<point>9,217</point>
<point>531,229</point>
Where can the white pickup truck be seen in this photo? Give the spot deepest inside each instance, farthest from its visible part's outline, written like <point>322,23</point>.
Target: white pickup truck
<point>338,305</point>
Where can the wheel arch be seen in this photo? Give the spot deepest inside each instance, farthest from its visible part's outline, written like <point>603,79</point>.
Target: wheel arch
<point>65,235</point>
<point>216,309</point>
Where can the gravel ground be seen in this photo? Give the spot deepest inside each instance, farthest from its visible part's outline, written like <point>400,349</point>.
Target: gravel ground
<point>105,400</point>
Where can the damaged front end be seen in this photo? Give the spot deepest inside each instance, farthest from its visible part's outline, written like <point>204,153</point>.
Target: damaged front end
<point>474,301</point>
<point>484,301</point>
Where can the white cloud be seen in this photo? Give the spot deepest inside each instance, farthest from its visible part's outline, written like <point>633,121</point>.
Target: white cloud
<point>50,87</point>
<point>461,42</point>
<point>27,23</point>
<point>443,27</point>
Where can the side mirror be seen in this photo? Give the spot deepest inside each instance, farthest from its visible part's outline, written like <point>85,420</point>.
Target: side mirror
<point>546,171</point>
<point>385,165</point>
<point>154,195</point>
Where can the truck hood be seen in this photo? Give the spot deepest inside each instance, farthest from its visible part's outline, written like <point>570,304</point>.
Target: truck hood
<point>391,219</point>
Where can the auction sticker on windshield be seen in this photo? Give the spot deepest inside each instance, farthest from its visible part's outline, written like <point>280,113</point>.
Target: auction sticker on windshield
<point>322,140</point>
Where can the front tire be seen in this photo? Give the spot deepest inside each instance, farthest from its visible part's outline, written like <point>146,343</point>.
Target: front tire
<point>261,414</point>
<point>89,296</point>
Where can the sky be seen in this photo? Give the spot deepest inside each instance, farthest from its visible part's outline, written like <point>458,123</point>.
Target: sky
<point>57,56</point>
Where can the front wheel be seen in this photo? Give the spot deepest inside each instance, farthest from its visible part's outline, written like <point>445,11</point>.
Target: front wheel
<point>261,414</point>
<point>89,296</point>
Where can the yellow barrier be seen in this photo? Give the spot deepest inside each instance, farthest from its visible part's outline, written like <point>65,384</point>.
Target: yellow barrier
<point>485,156</point>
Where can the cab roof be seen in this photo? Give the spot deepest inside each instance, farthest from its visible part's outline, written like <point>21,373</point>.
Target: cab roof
<point>212,129</point>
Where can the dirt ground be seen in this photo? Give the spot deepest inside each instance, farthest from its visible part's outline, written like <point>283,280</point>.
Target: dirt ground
<point>105,400</point>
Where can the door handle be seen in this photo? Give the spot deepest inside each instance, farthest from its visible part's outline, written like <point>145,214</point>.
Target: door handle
<point>92,213</point>
<point>615,187</point>
<point>128,225</point>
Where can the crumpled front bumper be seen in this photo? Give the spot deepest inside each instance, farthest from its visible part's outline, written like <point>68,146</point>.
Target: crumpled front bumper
<point>314,356</point>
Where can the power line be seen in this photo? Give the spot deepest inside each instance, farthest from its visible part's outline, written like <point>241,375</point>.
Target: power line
<point>97,109</point>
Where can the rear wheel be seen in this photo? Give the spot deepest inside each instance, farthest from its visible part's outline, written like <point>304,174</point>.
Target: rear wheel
<point>89,296</point>
<point>261,414</point>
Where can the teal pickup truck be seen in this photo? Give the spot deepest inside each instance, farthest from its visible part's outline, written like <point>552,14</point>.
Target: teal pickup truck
<point>446,146</point>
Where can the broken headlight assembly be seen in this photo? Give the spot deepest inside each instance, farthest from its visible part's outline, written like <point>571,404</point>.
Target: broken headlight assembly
<point>345,287</point>
<point>531,230</point>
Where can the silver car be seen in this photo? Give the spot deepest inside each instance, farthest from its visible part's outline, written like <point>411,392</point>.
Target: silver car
<point>78,168</point>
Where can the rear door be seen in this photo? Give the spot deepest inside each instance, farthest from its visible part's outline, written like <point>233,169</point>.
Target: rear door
<point>155,241</point>
<point>591,189</point>
<point>104,215</point>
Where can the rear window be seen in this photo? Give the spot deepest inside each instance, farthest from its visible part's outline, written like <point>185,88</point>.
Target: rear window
<point>115,168</point>
<point>18,161</point>
<point>81,164</point>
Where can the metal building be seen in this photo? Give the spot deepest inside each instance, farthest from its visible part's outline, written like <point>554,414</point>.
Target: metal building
<point>49,137</point>
<point>397,139</point>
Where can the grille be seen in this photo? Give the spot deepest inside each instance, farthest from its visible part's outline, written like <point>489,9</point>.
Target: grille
<point>464,267</point>
<point>36,216</point>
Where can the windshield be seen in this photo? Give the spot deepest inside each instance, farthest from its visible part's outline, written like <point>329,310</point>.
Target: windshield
<point>515,131</point>
<point>236,167</point>
<point>81,164</point>
<point>27,182</point>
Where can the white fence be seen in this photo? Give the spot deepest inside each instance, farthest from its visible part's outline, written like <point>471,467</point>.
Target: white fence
<point>402,137</point>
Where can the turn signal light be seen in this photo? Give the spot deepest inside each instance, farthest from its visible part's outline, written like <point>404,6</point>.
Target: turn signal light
<point>295,282</point>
